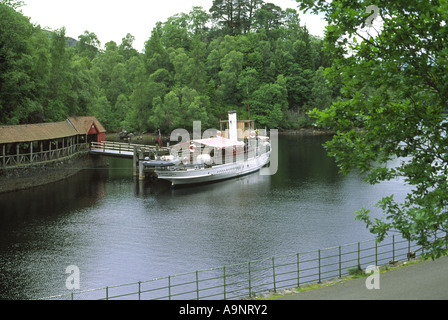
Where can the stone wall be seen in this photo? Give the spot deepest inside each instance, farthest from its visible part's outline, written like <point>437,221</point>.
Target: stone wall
<point>32,175</point>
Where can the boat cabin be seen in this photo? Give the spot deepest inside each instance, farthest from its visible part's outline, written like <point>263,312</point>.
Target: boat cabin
<point>244,127</point>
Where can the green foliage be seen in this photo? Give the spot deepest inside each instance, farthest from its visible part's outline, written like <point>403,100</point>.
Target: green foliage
<point>394,94</point>
<point>246,55</point>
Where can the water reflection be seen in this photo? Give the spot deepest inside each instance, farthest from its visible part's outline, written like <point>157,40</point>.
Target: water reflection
<point>119,230</point>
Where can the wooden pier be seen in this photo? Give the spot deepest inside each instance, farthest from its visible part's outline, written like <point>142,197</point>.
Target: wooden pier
<point>137,152</point>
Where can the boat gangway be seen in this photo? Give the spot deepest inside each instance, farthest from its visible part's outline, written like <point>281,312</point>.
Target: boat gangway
<point>137,152</point>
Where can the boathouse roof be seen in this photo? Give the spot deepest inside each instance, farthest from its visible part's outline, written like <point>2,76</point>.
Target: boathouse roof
<point>73,126</point>
<point>83,124</point>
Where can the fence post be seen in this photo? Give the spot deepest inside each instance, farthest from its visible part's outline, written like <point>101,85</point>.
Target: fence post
<point>139,290</point>
<point>340,262</point>
<point>273,274</point>
<point>250,287</point>
<point>376,252</point>
<point>359,255</point>
<point>393,247</point>
<point>409,249</point>
<point>224,270</point>
<point>319,265</point>
<point>169,287</point>
<point>298,272</point>
<point>107,293</point>
<point>197,285</point>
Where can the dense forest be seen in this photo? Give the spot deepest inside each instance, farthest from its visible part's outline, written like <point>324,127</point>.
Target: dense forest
<point>244,55</point>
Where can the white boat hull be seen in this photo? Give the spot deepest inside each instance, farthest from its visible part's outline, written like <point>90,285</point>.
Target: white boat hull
<point>214,173</point>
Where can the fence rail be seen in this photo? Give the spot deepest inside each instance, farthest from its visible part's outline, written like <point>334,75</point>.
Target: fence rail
<point>256,277</point>
<point>120,147</point>
<point>41,156</point>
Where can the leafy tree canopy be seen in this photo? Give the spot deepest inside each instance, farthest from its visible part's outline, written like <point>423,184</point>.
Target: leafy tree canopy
<point>244,55</point>
<point>390,118</point>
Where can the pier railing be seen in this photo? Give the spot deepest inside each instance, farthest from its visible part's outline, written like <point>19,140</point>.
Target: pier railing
<point>40,156</point>
<point>123,148</point>
<point>253,278</point>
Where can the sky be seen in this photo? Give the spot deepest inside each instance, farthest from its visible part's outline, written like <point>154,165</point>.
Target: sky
<point>112,20</point>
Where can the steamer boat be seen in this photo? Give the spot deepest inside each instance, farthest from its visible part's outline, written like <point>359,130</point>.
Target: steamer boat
<point>215,158</point>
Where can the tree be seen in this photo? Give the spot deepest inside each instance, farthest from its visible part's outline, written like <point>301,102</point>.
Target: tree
<point>197,22</point>
<point>321,95</point>
<point>126,49</point>
<point>269,17</point>
<point>61,77</point>
<point>15,4</point>
<point>231,65</point>
<point>270,102</point>
<point>395,92</point>
<point>16,85</point>
<point>156,57</point>
<point>235,16</point>
<point>179,59</point>
<point>88,45</point>
<point>197,73</point>
<point>166,114</point>
<point>83,93</point>
<point>248,83</point>
<point>175,33</point>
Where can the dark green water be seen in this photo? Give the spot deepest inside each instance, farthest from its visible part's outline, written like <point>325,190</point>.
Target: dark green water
<point>118,230</point>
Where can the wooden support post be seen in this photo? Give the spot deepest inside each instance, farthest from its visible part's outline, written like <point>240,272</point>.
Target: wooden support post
<point>141,174</point>
<point>4,155</point>
<point>135,161</point>
<point>31,151</point>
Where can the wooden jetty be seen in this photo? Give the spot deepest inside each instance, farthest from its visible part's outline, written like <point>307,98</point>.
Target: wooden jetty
<point>137,152</point>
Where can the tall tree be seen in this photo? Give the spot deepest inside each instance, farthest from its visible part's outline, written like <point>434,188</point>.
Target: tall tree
<point>60,84</point>
<point>16,85</point>
<point>269,17</point>
<point>197,22</point>
<point>15,4</point>
<point>231,65</point>
<point>156,55</point>
<point>126,49</point>
<point>235,16</point>
<point>395,93</point>
<point>88,45</point>
<point>270,102</point>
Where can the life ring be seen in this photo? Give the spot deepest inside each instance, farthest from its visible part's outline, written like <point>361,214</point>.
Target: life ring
<point>219,134</point>
<point>192,148</point>
<point>184,160</point>
<point>253,134</point>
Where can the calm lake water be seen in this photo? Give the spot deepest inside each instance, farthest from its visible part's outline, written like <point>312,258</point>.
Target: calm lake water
<point>118,230</point>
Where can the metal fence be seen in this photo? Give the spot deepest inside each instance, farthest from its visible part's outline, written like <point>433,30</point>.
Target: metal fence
<point>257,277</point>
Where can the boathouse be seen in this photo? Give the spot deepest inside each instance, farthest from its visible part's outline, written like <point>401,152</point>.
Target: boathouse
<point>32,143</point>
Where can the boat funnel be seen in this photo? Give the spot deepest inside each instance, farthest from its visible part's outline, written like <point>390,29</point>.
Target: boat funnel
<point>233,133</point>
